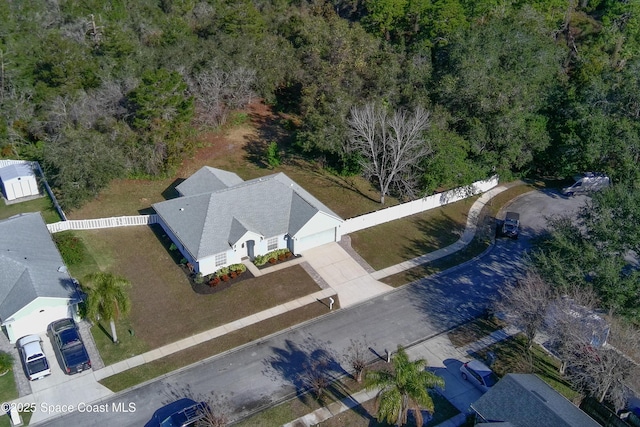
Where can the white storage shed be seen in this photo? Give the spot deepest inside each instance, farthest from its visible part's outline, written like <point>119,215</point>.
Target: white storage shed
<point>18,180</point>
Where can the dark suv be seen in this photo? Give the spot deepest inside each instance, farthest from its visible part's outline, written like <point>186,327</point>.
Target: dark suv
<point>184,412</point>
<point>510,226</point>
<point>69,345</point>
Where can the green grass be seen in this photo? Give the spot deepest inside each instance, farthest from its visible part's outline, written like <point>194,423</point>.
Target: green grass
<point>42,204</point>
<point>480,242</point>
<point>473,331</point>
<point>5,421</point>
<point>512,356</point>
<point>8,390</point>
<point>409,237</point>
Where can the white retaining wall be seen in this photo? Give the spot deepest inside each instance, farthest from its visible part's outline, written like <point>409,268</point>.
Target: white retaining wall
<point>90,224</point>
<point>410,208</point>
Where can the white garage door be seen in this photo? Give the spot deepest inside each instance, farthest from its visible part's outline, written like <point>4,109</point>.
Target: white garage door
<point>314,240</point>
<point>36,322</point>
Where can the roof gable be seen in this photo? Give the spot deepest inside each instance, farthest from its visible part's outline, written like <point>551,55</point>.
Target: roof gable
<point>30,263</point>
<point>268,206</point>
<point>525,400</point>
<point>206,180</point>
<point>18,170</point>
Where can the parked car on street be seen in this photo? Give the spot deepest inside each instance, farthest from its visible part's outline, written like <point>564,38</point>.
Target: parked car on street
<point>510,227</point>
<point>181,413</point>
<point>35,362</point>
<point>69,344</point>
<point>587,182</point>
<point>479,374</point>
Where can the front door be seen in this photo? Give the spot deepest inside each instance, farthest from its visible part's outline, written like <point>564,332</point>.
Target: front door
<point>250,245</point>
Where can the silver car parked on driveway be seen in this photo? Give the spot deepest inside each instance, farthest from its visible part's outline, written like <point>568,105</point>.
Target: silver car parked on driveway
<point>479,374</point>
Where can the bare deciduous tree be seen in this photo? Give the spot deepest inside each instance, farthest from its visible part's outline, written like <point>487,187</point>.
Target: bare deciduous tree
<point>390,147</point>
<point>216,92</point>
<point>572,322</point>
<point>524,304</point>
<point>315,376</point>
<point>605,371</point>
<point>356,356</point>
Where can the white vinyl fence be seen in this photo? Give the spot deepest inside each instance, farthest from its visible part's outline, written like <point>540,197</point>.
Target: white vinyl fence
<point>410,208</point>
<point>90,224</point>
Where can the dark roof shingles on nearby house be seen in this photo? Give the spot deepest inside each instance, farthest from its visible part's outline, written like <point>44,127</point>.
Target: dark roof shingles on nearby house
<point>526,401</point>
<point>30,263</point>
<point>208,223</point>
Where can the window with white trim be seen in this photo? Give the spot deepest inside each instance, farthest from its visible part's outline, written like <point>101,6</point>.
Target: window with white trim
<point>272,244</point>
<point>221,259</point>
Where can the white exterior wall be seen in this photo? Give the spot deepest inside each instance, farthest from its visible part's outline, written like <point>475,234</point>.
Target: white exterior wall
<point>21,187</point>
<point>411,208</point>
<point>35,317</point>
<point>207,265</point>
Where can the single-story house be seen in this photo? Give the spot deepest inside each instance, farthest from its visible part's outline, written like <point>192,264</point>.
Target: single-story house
<point>35,288</point>
<point>524,400</point>
<point>18,180</point>
<point>219,219</point>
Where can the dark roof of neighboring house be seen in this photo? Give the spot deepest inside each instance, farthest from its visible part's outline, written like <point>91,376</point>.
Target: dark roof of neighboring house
<point>206,180</point>
<point>30,263</point>
<point>211,222</point>
<point>525,400</point>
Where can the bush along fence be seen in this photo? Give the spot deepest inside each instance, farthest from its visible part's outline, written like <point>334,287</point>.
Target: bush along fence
<point>416,206</point>
<point>91,224</point>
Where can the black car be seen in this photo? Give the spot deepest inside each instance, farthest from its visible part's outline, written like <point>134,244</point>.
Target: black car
<point>69,345</point>
<point>181,413</point>
<point>510,227</point>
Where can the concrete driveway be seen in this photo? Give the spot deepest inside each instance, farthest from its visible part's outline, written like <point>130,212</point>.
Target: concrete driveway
<point>348,278</point>
<point>59,390</point>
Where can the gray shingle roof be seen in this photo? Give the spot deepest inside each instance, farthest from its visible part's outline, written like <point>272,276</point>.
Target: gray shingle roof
<point>208,223</point>
<point>525,400</point>
<point>206,180</point>
<point>15,171</point>
<point>29,262</point>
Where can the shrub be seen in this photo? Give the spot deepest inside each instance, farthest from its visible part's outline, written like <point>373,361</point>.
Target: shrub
<point>273,155</point>
<point>71,248</point>
<point>238,268</point>
<point>199,279</point>
<point>224,278</point>
<point>233,274</point>
<point>173,247</point>
<point>213,282</point>
<point>272,260</point>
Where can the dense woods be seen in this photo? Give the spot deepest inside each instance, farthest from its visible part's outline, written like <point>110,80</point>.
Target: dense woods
<point>98,89</point>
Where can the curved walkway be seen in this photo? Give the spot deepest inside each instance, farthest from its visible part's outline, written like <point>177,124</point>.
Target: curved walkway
<point>337,272</point>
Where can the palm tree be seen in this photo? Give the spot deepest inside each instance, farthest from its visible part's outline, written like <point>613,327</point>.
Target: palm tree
<point>107,298</point>
<point>402,389</point>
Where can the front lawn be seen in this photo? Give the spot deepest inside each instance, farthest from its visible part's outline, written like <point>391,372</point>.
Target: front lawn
<point>164,306</point>
<point>403,239</point>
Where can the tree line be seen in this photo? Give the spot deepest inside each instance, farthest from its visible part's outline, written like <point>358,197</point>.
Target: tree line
<point>98,90</point>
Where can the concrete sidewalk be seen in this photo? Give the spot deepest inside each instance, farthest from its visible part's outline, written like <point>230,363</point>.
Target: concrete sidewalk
<point>336,272</point>
<point>443,359</point>
<point>465,239</point>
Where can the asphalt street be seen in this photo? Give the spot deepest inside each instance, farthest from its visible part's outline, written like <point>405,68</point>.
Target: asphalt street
<point>268,371</point>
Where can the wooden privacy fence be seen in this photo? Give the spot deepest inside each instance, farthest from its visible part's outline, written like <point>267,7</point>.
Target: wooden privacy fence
<point>91,224</point>
<point>416,206</point>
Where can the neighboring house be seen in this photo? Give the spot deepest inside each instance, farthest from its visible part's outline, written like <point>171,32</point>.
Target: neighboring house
<point>35,288</point>
<point>585,323</point>
<point>220,219</point>
<point>18,180</point>
<point>524,400</point>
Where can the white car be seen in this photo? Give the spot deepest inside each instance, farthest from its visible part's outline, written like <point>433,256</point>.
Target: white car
<point>479,374</point>
<point>35,362</point>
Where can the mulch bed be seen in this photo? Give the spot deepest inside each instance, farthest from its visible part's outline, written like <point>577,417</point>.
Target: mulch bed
<point>205,289</point>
